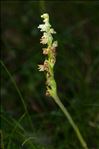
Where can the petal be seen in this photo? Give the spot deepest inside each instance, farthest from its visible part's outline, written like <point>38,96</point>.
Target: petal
<point>52,31</point>
<point>55,44</point>
<point>41,67</point>
<point>45,15</point>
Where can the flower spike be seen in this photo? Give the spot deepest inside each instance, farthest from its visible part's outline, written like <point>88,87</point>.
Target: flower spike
<point>50,51</point>
<point>48,67</point>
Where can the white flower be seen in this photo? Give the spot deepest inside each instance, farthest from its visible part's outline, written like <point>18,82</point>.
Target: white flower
<point>46,51</point>
<point>49,51</point>
<point>55,44</point>
<point>41,26</point>
<point>46,20</point>
<point>52,31</point>
<point>41,67</point>
<point>44,27</point>
<point>45,38</point>
<point>45,16</point>
<point>48,31</point>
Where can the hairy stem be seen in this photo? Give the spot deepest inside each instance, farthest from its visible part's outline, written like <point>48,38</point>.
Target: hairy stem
<point>76,129</point>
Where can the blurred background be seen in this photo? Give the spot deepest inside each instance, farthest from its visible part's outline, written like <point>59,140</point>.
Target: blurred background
<point>29,119</point>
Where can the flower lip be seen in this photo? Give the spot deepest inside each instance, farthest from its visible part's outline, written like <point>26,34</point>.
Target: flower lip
<point>55,44</point>
<point>52,31</point>
<point>44,27</point>
<point>46,51</point>
<point>41,67</point>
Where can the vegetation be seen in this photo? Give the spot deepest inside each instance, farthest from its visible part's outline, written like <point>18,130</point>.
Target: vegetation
<point>29,119</point>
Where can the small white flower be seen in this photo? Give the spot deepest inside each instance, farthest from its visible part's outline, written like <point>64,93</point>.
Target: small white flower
<point>45,15</point>
<point>48,31</point>
<point>44,27</point>
<point>46,18</point>
<point>45,38</point>
<point>46,51</point>
<point>41,26</point>
<point>41,67</point>
<point>55,44</point>
<point>43,41</point>
<point>52,31</point>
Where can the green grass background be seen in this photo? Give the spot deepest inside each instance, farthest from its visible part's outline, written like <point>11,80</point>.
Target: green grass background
<point>29,120</point>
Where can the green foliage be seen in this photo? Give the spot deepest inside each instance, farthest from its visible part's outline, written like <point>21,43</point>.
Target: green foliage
<point>76,74</point>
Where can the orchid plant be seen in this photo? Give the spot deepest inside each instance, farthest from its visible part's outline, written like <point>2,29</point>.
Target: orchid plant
<point>48,67</point>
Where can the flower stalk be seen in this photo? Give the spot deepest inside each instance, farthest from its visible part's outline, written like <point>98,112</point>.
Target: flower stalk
<point>48,67</point>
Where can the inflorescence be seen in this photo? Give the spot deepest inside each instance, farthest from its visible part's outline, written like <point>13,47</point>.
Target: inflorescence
<point>50,51</point>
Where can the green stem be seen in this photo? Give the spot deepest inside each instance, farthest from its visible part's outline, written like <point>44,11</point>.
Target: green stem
<point>65,111</point>
<point>42,5</point>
